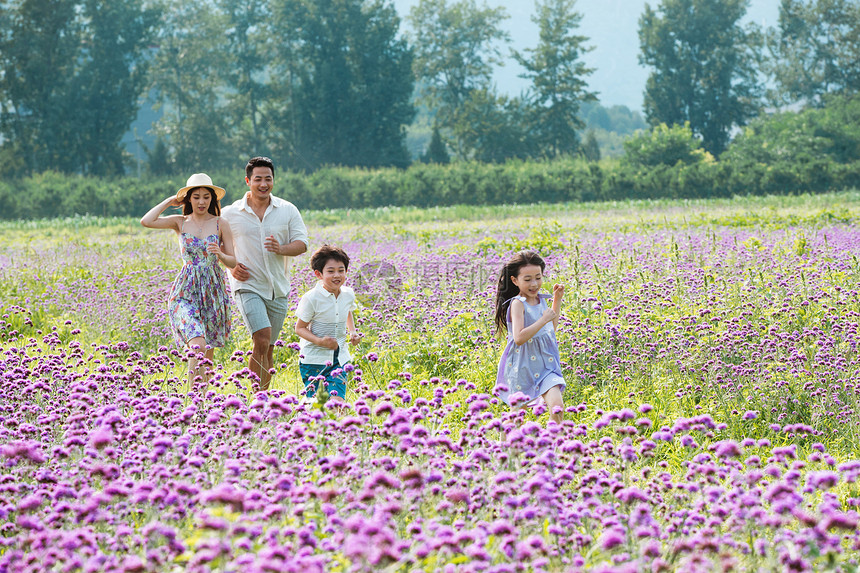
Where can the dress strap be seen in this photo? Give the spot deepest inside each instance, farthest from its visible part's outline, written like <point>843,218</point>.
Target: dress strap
<point>508,302</point>
<point>513,298</point>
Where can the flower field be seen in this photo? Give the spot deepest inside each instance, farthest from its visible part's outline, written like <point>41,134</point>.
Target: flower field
<point>710,351</point>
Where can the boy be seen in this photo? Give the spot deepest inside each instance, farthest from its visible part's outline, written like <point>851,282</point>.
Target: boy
<point>325,321</point>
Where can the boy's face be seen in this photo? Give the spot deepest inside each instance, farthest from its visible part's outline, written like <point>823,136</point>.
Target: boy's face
<point>333,275</point>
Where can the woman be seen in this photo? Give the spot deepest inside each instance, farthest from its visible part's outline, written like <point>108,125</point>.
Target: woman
<point>198,306</point>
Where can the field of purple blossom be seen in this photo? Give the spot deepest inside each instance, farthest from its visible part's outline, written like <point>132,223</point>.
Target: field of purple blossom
<point>711,359</point>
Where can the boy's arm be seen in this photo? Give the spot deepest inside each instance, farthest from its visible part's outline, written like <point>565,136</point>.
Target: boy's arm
<point>303,331</point>
<point>354,335</point>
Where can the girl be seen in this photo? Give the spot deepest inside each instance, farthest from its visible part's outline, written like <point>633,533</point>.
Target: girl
<point>530,363</point>
<point>198,306</point>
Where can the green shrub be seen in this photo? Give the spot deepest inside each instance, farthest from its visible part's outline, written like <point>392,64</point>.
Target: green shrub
<point>51,194</point>
<point>829,134</point>
<point>664,145</point>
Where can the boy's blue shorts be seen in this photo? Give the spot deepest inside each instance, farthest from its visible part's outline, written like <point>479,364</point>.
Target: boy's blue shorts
<point>336,385</point>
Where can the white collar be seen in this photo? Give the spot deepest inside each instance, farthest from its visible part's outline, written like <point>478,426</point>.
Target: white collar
<point>319,286</point>
<point>274,202</point>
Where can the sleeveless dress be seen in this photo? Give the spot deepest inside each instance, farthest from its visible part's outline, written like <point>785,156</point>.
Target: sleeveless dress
<point>534,367</point>
<point>198,304</point>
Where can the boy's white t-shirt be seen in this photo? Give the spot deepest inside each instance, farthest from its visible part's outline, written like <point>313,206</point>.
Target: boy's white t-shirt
<point>326,316</point>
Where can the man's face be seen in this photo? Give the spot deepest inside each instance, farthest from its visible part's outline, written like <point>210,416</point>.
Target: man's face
<point>261,183</point>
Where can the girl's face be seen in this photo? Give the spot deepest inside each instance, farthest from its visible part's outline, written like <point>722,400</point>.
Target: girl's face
<point>200,199</point>
<point>529,280</point>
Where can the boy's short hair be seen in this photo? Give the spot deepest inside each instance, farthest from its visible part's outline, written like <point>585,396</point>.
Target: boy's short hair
<point>322,255</point>
<point>259,162</point>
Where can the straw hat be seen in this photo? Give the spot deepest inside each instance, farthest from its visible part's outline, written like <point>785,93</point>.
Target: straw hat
<point>199,180</point>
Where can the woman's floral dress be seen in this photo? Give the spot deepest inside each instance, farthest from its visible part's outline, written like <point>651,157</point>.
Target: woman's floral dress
<point>198,305</point>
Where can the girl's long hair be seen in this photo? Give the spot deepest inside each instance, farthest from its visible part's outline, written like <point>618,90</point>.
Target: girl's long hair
<point>506,289</point>
<point>214,203</point>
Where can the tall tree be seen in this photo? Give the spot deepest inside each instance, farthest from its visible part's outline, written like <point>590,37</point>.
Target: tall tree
<point>437,151</point>
<point>590,149</point>
<point>351,82</point>
<point>247,74</point>
<point>187,77</point>
<point>71,73</point>
<point>493,128</point>
<point>456,47</point>
<point>558,77</point>
<point>815,50</point>
<point>35,76</point>
<point>705,67</point>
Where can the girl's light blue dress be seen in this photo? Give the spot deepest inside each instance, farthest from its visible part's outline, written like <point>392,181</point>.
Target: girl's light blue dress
<point>534,367</point>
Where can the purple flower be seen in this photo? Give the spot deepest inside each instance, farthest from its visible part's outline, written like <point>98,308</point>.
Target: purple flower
<point>612,538</point>
<point>631,494</point>
<point>101,438</point>
<point>727,449</point>
<point>823,479</point>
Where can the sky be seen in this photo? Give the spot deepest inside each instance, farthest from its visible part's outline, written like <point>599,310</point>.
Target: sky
<point>612,26</point>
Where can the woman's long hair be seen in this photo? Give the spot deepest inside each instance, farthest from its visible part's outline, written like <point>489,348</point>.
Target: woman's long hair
<point>506,289</point>
<point>214,204</point>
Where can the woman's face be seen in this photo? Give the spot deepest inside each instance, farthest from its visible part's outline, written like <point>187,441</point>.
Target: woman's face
<point>200,197</point>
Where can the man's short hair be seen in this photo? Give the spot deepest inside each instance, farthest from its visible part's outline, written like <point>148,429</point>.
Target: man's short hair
<point>322,255</point>
<point>258,161</point>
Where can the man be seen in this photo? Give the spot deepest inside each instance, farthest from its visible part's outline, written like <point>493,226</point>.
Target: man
<point>267,231</point>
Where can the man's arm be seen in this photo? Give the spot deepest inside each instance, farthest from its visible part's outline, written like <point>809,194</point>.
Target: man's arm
<point>298,237</point>
<point>293,249</point>
<point>298,234</point>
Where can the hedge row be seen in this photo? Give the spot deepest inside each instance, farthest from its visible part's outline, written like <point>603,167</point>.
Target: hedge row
<point>55,195</point>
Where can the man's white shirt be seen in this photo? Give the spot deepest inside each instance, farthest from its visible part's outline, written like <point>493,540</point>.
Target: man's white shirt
<point>270,273</point>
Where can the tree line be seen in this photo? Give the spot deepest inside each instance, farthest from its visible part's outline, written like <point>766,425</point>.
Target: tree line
<point>814,150</point>
<point>335,82</point>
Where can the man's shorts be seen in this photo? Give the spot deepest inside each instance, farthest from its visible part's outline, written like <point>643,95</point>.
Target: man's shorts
<point>335,384</point>
<point>259,313</point>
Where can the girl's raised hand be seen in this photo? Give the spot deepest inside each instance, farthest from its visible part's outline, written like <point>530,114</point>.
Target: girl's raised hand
<point>557,291</point>
<point>549,314</point>
<point>213,249</point>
